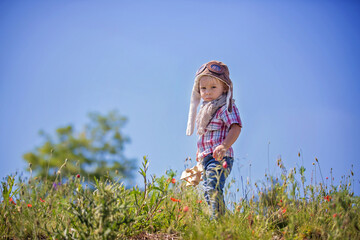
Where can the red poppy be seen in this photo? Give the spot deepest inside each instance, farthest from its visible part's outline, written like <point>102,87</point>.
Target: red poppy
<point>41,200</point>
<point>175,200</point>
<point>29,205</point>
<point>327,198</point>
<point>12,201</point>
<point>173,180</point>
<point>186,208</point>
<point>78,176</point>
<point>335,215</point>
<point>199,201</point>
<point>283,210</point>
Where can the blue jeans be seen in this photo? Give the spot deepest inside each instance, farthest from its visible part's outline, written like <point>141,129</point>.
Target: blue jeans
<point>214,181</point>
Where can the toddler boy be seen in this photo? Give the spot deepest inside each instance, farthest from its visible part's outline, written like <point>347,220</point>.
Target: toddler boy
<point>218,126</point>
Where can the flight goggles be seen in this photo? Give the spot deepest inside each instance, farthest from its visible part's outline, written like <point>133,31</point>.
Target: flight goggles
<point>212,67</point>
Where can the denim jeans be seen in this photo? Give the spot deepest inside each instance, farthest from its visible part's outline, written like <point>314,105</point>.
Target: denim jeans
<point>214,181</point>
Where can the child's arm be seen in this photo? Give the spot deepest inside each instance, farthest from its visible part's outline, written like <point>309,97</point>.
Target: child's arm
<point>229,140</point>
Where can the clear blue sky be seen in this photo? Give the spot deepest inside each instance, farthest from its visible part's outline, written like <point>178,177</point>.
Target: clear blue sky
<point>294,65</point>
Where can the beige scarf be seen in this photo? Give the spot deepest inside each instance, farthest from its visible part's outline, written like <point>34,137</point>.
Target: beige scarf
<point>207,112</point>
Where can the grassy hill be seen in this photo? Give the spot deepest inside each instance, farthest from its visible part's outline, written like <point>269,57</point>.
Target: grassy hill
<point>284,207</point>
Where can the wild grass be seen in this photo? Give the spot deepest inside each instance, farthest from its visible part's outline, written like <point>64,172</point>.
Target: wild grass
<point>280,207</point>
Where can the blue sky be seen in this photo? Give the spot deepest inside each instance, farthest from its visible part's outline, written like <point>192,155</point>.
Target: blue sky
<point>294,65</point>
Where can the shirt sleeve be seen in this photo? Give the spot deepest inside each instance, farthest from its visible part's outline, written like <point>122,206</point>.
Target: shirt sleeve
<point>230,118</point>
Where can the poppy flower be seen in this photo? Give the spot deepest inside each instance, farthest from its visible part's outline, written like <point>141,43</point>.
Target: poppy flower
<point>186,208</point>
<point>78,176</point>
<point>175,200</point>
<point>335,215</point>
<point>199,201</point>
<point>283,210</point>
<point>41,200</point>
<point>29,205</point>
<point>327,198</point>
<point>12,201</point>
<point>173,181</point>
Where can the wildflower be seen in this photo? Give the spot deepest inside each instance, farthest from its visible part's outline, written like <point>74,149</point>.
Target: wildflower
<point>41,200</point>
<point>175,200</point>
<point>334,215</point>
<point>186,208</point>
<point>171,180</point>
<point>78,176</point>
<point>12,201</point>
<point>199,201</point>
<point>283,210</point>
<point>29,205</point>
<point>327,198</point>
<point>225,165</point>
<point>327,178</point>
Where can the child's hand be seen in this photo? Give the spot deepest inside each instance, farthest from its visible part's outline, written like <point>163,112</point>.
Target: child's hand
<point>219,152</point>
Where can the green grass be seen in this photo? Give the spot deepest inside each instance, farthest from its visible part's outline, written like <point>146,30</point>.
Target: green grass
<point>283,207</point>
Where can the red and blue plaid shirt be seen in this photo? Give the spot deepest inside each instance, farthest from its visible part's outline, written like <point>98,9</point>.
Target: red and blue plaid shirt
<point>217,130</point>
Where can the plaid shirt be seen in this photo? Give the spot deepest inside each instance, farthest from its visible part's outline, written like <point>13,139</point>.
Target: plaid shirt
<point>217,130</point>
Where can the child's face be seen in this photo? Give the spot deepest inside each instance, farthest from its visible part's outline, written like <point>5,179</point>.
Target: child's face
<point>210,88</point>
